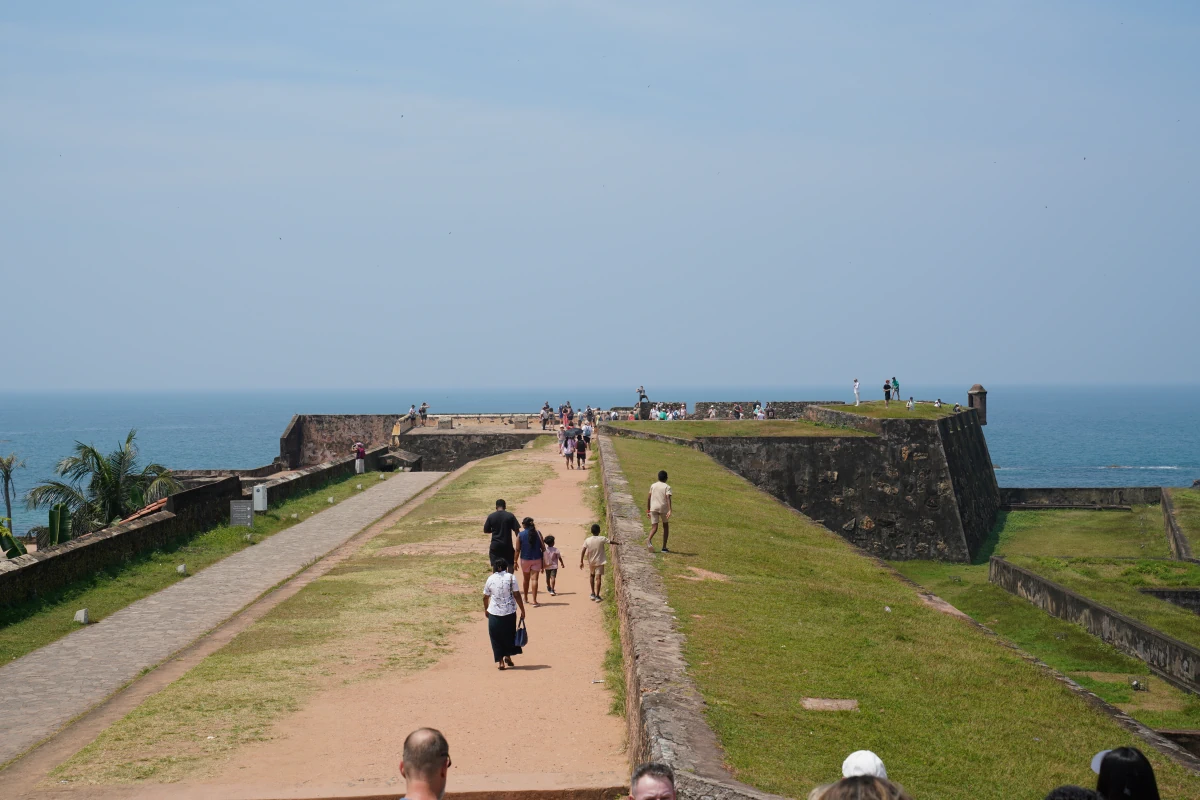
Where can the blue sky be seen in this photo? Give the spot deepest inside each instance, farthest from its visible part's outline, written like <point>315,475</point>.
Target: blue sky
<point>277,195</point>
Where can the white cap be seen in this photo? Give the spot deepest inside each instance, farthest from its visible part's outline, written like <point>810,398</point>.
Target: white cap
<point>863,762</point>
<point>1097,759</point>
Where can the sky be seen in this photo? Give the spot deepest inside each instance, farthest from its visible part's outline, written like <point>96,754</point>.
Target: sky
<point>290,194</point>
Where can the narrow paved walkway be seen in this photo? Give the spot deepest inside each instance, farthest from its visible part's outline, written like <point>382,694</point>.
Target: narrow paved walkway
<point>47,688</point>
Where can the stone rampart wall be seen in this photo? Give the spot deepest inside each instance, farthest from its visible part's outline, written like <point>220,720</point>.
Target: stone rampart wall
<point>1101,496</point>
<point>309,478</point>
<point>1175,660</point>
<point>664,711</point>
<point>328,437</point>
<point>291,444</point>
<point>700,411</point>
<point>1181,548</point>
<point>444,452</point>
<point>1184,598</point>
<point>794,409</point>
<point>844,419</point>
<point>971,474</point>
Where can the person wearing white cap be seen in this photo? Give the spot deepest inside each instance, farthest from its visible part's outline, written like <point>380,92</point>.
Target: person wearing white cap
<point>863,777</point>
<point>863,762</point>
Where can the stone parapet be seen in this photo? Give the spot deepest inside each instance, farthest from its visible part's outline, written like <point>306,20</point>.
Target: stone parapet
<point>1176,661</point>
<point>664,710</point>
<point>1181,548</point>
<point>1082,496</point>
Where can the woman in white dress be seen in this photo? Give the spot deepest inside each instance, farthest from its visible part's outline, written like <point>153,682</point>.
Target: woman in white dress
<point>501,602</point>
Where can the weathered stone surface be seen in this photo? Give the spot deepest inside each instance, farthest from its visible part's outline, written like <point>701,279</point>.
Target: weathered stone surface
<point>1184,598</point>
<point>447,452</point>
<point>82,617</point>
<point>1102,496</point>
<point>1181,547</point>
<point>1167,655</point>
<point>446,424</point>
<point>181,569</point>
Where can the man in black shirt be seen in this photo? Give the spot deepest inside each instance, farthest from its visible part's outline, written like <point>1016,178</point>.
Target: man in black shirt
<point>501,524</point>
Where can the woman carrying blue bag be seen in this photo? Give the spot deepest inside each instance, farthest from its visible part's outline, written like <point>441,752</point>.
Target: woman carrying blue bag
<point>501,603</point>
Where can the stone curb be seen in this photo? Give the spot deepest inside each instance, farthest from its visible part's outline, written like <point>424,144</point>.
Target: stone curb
<point>1181,548</point>
<point>664,711</point>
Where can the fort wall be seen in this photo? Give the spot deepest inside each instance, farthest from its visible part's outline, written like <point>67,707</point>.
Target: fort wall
<point>444,452</point>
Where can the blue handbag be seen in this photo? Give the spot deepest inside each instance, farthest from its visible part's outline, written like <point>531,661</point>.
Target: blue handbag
<point>522,637</point>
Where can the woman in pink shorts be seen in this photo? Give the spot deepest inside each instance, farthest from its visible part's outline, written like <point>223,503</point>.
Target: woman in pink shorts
<point>533,547</point>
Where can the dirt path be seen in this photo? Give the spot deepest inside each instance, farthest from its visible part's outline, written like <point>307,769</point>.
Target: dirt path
<point>544,725</point>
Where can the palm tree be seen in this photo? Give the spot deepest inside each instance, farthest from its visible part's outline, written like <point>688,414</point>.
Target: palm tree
<point>99,489</point>
<point>8,465</point>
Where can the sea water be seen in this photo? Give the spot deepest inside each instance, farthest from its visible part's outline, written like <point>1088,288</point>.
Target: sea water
<point>1037,436</point>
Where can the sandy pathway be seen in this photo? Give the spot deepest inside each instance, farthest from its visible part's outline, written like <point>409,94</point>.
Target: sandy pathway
<point>544,725</point>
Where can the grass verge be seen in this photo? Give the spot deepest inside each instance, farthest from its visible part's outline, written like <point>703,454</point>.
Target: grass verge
<point>688,429</point>
<point>1187,514</point>
<point>25,627</point>
<point>1115,584</point>
<point>801,614</point>
<point>876,410</point>
<point>1068,648</point>
<point>352,624</point>
<point>1068,532</point>
<point>614,656</point>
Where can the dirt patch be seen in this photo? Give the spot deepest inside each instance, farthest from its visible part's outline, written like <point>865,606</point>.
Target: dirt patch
<point>828,704</point>
<point>938,604</point>
<point>449,588</point>
<point>454,547</point>
<point>705,575</point>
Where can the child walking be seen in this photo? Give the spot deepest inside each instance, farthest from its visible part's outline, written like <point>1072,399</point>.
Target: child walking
<point>568,451</point>
<point>593,553</point>
<point>554,560</point>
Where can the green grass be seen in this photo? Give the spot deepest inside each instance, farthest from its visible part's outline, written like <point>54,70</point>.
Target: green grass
<point>952,712</point>
<point>1187,514</point>
<point>1115,584</point>
<point>1067,532</point>
<point>689,429</point>
<point>614,656</point>
<point>354,623</point>
<point>875,410</point>
<point>1064,646</point>
<point>24,627</point>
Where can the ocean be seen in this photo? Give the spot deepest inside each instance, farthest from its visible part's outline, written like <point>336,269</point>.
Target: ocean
<point>1037,436</point>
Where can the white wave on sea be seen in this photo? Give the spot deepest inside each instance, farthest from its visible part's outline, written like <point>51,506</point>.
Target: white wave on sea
<point>1122,466</point>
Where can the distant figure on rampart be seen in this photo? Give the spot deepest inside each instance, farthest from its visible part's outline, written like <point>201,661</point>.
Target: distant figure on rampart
<point>856,391</point>
<point>642,395</point>
<point>887,392</point>
<point>424,412</point>
<point>712,412</point>
<point>360,458</point>
<point>412,414</point>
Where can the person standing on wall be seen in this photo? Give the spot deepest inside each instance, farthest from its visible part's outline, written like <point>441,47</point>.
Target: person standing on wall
<point>424,412</point>
<point>896,389</point>
<point>856,391</point>
<point>658,509</point>
<point>501,524</point>
<point>887,392</point>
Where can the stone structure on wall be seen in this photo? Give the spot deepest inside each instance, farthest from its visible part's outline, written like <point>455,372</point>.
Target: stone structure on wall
<point>315,438</point>
<point>915,489</point>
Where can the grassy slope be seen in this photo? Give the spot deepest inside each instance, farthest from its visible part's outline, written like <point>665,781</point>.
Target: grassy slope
<point>954,714</point>
<point>1115,584</point>
<point>353,623</point>
<point>1062,532</point>
<point>30,625</point>
<point>896,410</point>
<point>1187,514</point>
<point>690,429</point>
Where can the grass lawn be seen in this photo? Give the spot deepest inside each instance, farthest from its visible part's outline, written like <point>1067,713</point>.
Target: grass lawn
<point>1064,646</point>
<point>688,429</point>
<point>27,626</point>
<point>1068,532</point>
<point>953,713</point>
<point>1187,514</point>
<point>1115,584</point>
<point>352,624</point>
<point>875,409</point>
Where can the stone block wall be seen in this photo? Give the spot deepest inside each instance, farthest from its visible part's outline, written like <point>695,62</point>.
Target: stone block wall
<point>1175,660</point>
<point>448,451</point>
<point>794,409</point>
<point>1102,496</point>
<point>969,465</point>
<point>700,411</point>
<point>1184,598</point>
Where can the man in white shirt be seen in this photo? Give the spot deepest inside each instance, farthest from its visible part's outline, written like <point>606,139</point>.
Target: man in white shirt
<point>658,509</point>
<point>856,391</point>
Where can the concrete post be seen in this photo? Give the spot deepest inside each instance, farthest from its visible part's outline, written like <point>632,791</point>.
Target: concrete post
<point>977,399</point>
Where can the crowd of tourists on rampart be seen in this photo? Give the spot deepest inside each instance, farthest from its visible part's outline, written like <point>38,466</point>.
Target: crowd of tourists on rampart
<point>1121,774</point>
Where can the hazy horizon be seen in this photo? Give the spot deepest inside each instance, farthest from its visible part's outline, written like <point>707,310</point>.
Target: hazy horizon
<point>504,193</point>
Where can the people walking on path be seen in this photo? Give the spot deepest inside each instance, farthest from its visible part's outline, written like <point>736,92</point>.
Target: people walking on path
<point>553,561</point>
<point>568,452</point>
<point>887,392</point>
<point>593,554</point>
<point>501,604</point>
<point>533,551</point>
<point>658,508</point>
<point>501,524</point>
<point>425,765</point>
<point>856,391</point>
<point>587,432</point>
<point>581,448</point>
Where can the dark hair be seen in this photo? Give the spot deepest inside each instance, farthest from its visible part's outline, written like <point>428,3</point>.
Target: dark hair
<point>1072,793</point>
<point>425,752</point>
<point>500,565</point>
<point>549,540</point>
<point>662,474</point>
<point>527,522</point>
<point>654,770</point>
<point>500,504</point>
<point>1125,772</point>
<point>595,530</point>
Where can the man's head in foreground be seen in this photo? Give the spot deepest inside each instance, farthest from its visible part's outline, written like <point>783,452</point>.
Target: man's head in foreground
<point>425,763</point>
<point>652,782</point>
